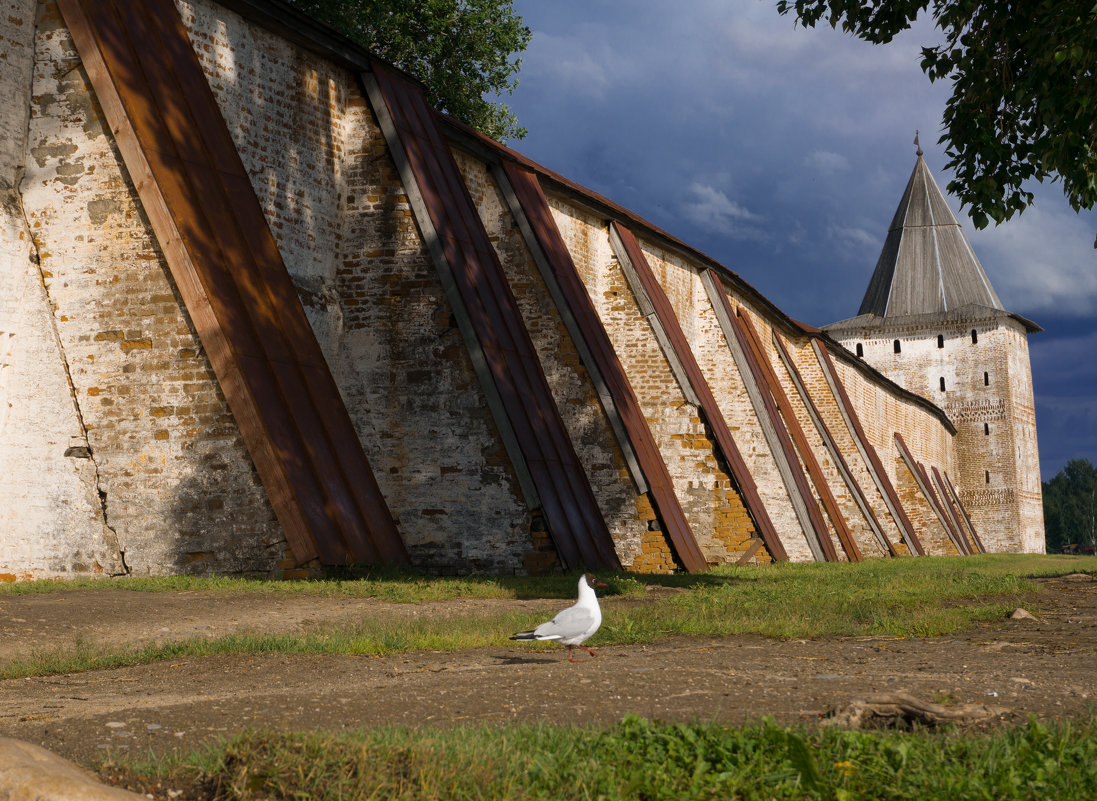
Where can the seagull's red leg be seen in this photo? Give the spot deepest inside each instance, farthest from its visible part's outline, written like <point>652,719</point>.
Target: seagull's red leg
<point>588,650</point>
<point>571,657</point>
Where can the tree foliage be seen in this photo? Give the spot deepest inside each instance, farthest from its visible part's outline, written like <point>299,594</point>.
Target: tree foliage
<point>1024,99</point>
<point>460,49</point>
<point>1070,506</point>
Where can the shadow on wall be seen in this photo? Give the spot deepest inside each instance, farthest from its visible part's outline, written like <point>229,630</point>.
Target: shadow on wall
<point>221,523</point>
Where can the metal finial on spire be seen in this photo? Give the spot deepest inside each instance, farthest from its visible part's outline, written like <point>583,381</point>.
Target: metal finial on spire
<point>919,153</point>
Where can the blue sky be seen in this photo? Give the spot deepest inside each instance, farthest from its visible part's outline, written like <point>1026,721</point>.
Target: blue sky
<point>782,152</point>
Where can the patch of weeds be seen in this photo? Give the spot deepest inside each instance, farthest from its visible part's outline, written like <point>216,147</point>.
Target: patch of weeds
<point>643,759</point>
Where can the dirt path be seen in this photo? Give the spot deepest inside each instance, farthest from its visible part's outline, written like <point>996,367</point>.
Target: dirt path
<point>1044,667</point>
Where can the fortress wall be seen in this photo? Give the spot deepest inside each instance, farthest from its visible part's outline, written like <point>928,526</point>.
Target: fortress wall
<point>587,241</point>
<point>136,455</point>
<point>883,412</point>
<point>50,511</point>
<point>988,396</point>
<point>704,490</point>
<point>16,68</point>
<point>803,359</point>
<point>931,532</point>
<point>409,384</point>
<point>166,464</point>
<point>686,292</point>
<point>294,119</point>
<point>764,328</point>
<point>573,390</point>
<point>340,215</point>
<point>807,363</point>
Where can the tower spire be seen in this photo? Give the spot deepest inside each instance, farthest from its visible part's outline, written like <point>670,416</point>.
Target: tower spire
<point>919,153</point>
<point>926,265</point>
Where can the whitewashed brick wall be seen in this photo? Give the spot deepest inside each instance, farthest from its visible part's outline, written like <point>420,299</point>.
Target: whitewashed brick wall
<point>98,359</point>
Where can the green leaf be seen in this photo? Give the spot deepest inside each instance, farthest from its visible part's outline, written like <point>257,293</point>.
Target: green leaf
<point>1021,105</point>
<point>803,761</point>
<point>461,50</point>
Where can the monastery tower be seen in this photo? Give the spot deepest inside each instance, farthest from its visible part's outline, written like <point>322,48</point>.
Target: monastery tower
<point>931,321</point>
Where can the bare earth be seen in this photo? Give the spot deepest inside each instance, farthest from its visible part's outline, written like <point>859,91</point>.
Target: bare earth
<point>1044,667</point>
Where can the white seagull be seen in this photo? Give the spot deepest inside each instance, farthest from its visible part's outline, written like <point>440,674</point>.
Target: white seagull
<point>574,625</point>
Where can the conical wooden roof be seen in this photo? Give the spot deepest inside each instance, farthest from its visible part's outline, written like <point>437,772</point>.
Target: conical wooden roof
<point>927,265</point>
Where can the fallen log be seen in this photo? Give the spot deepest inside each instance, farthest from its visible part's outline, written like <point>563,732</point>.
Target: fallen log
<point>903,709</point>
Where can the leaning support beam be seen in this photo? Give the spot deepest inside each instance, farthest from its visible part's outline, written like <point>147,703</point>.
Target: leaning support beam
<point>531,210</point>
<point>635,276</point>
<point>208,222</point>
<point>807,455</point>
<point>768,417</point>
<point>921,478</point>
<point>476,285</point>
<point>939,509</point>
<point>950,509</point>
<point>661,316</point>
<point>453,296</point>
<point>756,545</point>
<point>867,451</point>
<point>832,446</point>
<point>963,513</point>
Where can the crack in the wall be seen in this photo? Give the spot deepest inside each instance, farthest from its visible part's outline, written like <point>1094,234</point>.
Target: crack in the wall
<point>83,447</point>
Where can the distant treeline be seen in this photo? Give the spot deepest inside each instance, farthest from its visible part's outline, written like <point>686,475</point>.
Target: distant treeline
<point>1070,507</point>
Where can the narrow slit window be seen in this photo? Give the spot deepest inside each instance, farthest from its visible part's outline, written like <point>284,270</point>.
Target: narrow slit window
<point>895,345</point>
<point>986,428</point>
<point>974,337</point>
<point>940,340</point>
<point>986,474</point>
<point>986,379</point>
<point>942,383</point>
<point>860,350</point>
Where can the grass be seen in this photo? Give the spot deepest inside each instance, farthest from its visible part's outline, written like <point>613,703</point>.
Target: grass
<point>380,584</point>
<point>899,597</point>
<point>635,759</point>
<point>638,759</point>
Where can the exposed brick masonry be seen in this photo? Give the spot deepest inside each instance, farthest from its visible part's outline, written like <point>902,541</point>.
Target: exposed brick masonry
<point>176,483</point>
<point>111,399</point>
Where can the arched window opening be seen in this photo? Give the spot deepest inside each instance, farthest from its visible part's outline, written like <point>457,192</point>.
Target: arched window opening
<point>987,474</point>
<point>860,351</point>
<point>986,379</point>
<point>940,340</point>
<point>942,383</point>
<point>895,345</point>
<point>986,428</point>
<point>974,337</point>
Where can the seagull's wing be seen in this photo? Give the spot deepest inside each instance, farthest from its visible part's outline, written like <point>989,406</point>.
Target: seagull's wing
<point>572,622</point>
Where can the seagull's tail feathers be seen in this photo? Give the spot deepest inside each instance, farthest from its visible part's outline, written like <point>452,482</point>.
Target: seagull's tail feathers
<point>533,635</point>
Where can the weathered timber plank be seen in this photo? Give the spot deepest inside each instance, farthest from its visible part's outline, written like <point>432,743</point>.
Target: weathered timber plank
<point>831,445</point>
<point>764,409</point>
<point>921,478</point>
<point>463,254</point>
<point>868,451</point>
<point>627,248</point>
<point>963,513</point>
<point>198,197</point>
<point>792,431</point>
<point>546,241</point>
